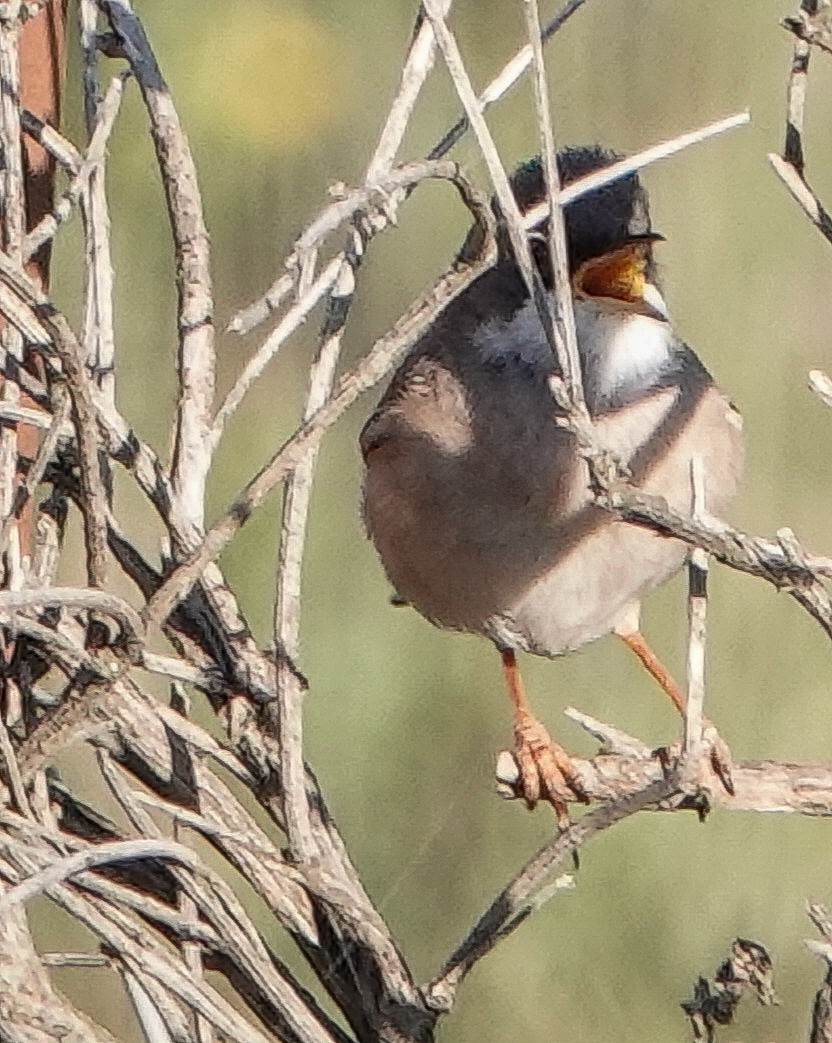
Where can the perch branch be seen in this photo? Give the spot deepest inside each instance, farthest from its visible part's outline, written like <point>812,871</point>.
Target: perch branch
<point>527,891</point>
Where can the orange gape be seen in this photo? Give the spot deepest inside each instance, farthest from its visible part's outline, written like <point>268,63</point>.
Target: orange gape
<point>42,62</point>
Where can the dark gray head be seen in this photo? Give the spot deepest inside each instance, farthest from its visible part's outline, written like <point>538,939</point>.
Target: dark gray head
<point>598,223</point>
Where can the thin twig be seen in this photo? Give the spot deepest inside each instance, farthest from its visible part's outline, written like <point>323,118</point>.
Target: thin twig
<point>76,598</point>
<point>559,302</point>
<point>508,76</point>
<point>697,625</point>
<point>105,854</point>
<point>351,205</point>
<point>257,312</point>
<point>298,490</point>
<point>518,899</point>
<point>191,458</point>
<point>638,161</point>
<point>803,194</point>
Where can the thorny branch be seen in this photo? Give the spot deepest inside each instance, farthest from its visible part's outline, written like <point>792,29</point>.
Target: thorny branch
<point>153,757</point>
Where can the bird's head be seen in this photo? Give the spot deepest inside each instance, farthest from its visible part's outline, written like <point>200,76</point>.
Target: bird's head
<point>609,235</point>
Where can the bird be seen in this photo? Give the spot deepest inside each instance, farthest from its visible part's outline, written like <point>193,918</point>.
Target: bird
<point>475,493</point>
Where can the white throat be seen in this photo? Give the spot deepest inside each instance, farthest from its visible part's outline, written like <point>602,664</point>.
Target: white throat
<point>621,351</point>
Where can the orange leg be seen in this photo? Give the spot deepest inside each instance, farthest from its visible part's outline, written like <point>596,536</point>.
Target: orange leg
<point>720,755</point>
<point>655,668</point>
<point>545,767</point>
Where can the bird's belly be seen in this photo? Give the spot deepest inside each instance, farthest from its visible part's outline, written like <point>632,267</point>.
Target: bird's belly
<point>501,539</point>
<point>590,589</point>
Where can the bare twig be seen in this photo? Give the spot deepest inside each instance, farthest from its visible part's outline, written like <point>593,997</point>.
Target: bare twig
<point>193,276</point>
<point>254,314</point>
<point>526,890</point>
<point>715,1001</point>
<point>81,167</point>
<point>351,206</point>
<point>506,79</point>
<point>809,28</point>
<point>299,485</point>
<point>697,626</point>
<point>98,335</point>
<point>558,303</point>
<point>638,161</point>
<point>78,598</point>
<point>104,854</point>
<point>822,1007</point>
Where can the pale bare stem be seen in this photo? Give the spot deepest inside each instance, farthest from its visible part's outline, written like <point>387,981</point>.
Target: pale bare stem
<point>153,1023</point>
<point>790,167</point>
<point>349,206</point>
<point>822,1008</point>
<point>104,854</point>
<point>93,491</point>
<point>697,625</point>
<point>298,491</point>
<point>191,456</point>
<point>60,148</point>
<point>75,959</point>
<point>81,171</point>
<point>97,332</point>
<point>612,740</point>
<point>473,110</point>
<point>638,161</point>
<point>169,985</point>
<point>506,79</point>
<point>799,574</point>
<point>370,201</point>
<point>192,953</point>
<point>80,599</point>
<point>565,352</point>
<point>796,105</point>
<point>145,825</point>
<point>88,20</point>
<point>803,194</point>
<point>559,301</point>
<point>52,330</point>
<point>415,71</point>
<point>290,321</point>
<point>521,896</point>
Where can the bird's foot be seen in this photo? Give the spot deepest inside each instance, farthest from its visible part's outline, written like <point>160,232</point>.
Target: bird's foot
<point>715,753</point>
<point>546,769</point>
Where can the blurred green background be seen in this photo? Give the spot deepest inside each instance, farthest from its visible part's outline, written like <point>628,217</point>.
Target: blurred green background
<point>280,99</point>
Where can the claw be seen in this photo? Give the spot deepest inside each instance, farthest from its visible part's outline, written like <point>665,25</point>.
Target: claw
<point>716,753</point>
<point>546,769</point>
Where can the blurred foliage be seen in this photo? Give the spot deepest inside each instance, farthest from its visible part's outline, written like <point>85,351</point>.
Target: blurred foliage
<point>281,99</point>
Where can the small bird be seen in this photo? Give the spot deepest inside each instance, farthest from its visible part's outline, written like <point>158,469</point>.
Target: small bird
<point>476,496</point>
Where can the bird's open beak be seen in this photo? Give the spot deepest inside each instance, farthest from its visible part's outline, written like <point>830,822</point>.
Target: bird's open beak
<point>621,274</point>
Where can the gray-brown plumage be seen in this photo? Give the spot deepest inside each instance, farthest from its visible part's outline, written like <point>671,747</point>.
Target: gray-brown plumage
<point>478,501</point>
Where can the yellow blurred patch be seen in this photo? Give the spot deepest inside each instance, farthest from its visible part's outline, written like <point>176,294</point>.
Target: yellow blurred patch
<point>273,77</point>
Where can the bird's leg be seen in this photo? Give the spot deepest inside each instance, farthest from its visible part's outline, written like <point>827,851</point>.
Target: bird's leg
<point>546,769</point>
<point>655,667</point>
<point>719,753</point>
